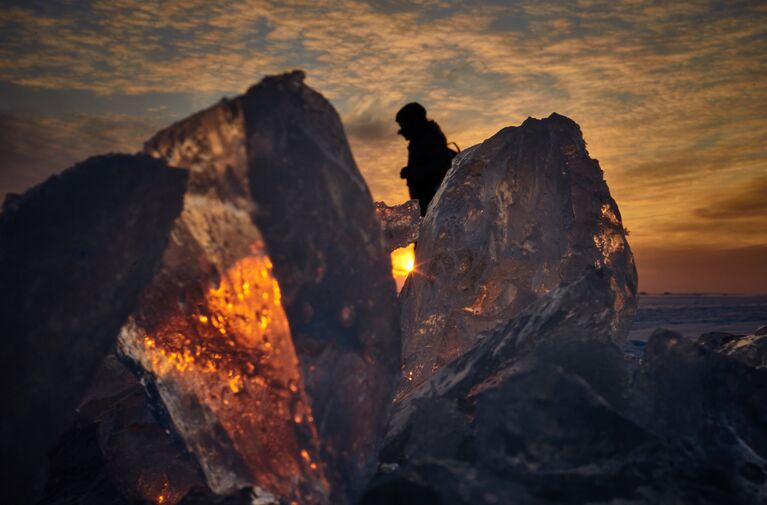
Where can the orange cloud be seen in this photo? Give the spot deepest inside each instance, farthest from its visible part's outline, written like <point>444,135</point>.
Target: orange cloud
<point>671,97</point>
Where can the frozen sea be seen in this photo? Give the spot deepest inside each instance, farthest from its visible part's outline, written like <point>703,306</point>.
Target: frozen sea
<point>693,314</point>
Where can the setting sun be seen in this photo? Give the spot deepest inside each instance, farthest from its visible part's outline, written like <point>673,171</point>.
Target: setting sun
<point>402,263</point>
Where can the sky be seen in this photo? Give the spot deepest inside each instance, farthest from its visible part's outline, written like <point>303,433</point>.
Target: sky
<point>671,96</point>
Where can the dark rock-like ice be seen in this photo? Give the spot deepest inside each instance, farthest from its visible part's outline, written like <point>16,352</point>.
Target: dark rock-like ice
<point>749,349</point>
<point>271,332</point>
<point>75,254</point>
<point>545,410</point>
<point>684,389</point>
<point>570,327</point>
<point>244,496</point>
<point>544,436</point>
<point>319,225</point>
<point>516,216</point>
<point>116,433</point>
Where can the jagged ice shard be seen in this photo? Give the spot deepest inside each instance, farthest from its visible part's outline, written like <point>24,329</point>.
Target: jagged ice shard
<point>399,222</point>
<point>516,216</point>
<point>75,254</point>
<point>271,331</point>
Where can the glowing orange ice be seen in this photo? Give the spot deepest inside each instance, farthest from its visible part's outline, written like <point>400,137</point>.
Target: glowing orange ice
<point>226,342</point>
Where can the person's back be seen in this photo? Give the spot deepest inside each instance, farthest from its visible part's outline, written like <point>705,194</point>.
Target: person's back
<point>429,157</point>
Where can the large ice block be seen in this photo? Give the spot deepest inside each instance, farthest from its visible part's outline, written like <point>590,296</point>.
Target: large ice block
<point>75,254</point>
<point>271,332</point>
<point>516,216</point>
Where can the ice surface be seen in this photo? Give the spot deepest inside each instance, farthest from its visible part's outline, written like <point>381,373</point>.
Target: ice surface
<point>694,314</point>
<point>516,216</point>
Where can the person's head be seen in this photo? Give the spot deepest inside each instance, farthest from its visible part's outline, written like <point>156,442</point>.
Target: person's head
<point>410,117</point>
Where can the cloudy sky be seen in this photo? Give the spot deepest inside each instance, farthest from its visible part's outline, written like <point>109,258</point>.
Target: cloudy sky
<point>671,96</point>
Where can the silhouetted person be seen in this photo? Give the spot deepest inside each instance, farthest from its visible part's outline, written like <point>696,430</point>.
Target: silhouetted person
<point>428,157</point>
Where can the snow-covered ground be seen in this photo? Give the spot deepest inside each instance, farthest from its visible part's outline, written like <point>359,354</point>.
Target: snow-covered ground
<point>693,314</point>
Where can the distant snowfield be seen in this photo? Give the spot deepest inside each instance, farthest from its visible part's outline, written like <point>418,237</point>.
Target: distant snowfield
<point>693,314</point>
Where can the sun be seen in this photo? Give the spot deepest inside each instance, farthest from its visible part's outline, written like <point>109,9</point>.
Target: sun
<point>403,263</point>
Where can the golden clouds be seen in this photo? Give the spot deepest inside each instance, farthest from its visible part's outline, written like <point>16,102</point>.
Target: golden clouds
<point>747,201</point>
<point>671,97</point>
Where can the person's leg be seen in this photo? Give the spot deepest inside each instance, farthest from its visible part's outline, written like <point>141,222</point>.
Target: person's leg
<point>423,203</point>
